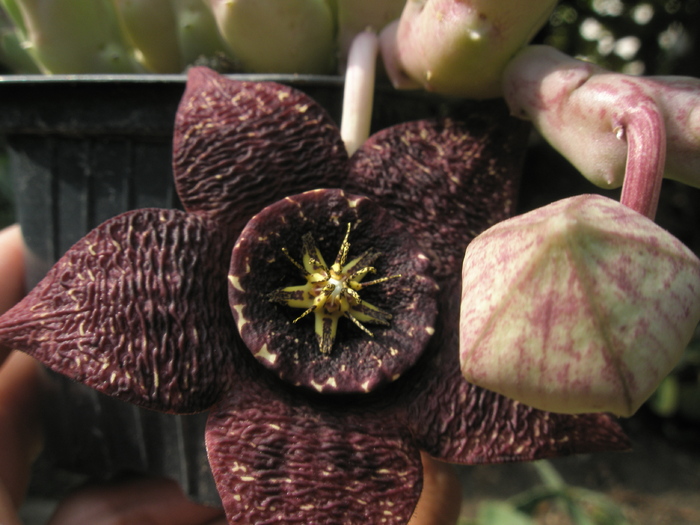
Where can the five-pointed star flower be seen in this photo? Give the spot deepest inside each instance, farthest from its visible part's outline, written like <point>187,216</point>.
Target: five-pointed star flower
<point>152,308</point>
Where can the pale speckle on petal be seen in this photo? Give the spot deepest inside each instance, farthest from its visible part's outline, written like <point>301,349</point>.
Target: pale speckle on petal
<point>235,282</point>
<point>264,353</point>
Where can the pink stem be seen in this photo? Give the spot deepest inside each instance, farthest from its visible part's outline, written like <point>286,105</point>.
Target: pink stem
<point>359,90</point>
<point>645,131</point>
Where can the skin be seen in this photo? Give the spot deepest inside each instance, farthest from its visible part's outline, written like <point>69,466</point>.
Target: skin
<point>138,501</point>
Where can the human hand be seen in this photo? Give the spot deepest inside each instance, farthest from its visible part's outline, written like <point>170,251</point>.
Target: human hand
<point>138,501</point>
<point>21,381</point>
<point>161,501</point>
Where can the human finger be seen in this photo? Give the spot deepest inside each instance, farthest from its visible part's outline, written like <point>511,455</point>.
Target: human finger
<point>140,501</point>
<point>21,386</point>
<point>441,500</point>
<point>22,382</point>
<point>8,515</point>
<point>11,272</point>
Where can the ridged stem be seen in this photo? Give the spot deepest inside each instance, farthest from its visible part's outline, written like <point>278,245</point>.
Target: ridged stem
<point>645,132</point>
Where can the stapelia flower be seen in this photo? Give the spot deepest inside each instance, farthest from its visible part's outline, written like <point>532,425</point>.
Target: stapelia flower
<point>314,420</point>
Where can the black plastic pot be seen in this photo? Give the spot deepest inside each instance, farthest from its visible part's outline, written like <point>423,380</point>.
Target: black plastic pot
<point>84,149</point>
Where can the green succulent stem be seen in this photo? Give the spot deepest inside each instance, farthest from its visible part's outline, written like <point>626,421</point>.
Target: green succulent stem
<point>150,26</point>
<point>74,36</point>
<point>269,36</point>
<point>13,54</point>
<point>197,32</point>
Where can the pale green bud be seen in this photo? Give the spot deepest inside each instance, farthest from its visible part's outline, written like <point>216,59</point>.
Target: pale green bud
<point>270,36</point>
<point>459,47</point>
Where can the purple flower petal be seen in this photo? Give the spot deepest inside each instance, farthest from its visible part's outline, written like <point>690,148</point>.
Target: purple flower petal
<point>287,459</point>
<point>446,180</point>
<point>138,310</point>
<point>239,146</point>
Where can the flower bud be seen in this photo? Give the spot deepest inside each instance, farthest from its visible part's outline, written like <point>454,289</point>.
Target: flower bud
<point>459,47</point>
<point>580,306</point>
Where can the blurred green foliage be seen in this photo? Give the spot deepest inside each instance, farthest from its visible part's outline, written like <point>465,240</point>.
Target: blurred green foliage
<point>580,506</point>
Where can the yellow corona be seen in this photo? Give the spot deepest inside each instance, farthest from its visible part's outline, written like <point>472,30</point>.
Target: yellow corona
<point>333,292</point>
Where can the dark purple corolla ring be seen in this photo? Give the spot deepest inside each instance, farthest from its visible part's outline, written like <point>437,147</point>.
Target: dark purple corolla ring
<point>359,321</point>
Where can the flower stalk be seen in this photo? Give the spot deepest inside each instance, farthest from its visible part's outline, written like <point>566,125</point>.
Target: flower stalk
<point>645,132</point>
<point>356,16</point>
<point>359,91</point>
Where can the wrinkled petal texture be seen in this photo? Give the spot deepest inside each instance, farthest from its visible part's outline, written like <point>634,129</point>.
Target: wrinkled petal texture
<point>239,146</point>
<point>446,180</point>
<point>138,310</point>
<point>292,460</point>
<point>449,181</point>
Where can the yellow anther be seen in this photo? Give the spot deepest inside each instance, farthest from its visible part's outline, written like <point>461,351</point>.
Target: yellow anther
<point>332,293</point>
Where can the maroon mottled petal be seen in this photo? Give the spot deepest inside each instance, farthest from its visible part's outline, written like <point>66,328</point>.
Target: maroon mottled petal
<point>239,146</point>
<point>284,459</point>
<point>357,361</point>
<point>457,421</point>
<point>136,309</point>
<point>447,180</point>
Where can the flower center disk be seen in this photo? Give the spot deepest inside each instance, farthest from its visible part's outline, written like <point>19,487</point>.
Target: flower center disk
<point>353,325</point>
<point>333,292</point>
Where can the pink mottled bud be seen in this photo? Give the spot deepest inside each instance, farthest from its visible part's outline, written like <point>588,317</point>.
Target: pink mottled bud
<point>580,306</point>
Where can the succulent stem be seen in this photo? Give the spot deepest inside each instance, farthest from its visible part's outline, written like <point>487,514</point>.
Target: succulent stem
<point>269,36</point>
<point>459,48</point>
<point>645,132</point>
<point>72,36</point>
<point>150,26</point>
<point>197,31</point>
<point>359,90</point>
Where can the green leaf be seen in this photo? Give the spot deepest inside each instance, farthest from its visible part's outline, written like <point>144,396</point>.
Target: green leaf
<point>665,400</point>
<point>501,513</point>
